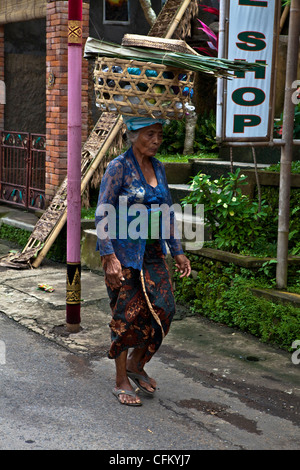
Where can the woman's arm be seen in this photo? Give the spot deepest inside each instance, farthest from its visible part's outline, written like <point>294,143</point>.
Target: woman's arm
<point>110,187</point>
<point>183,265</point>
<point>113,271</point>
<point>108,195</point>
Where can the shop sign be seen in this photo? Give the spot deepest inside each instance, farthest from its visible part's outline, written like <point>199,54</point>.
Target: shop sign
<point>248,97</point>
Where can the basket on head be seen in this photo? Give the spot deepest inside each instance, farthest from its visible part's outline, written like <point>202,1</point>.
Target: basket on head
<point>137,88</point>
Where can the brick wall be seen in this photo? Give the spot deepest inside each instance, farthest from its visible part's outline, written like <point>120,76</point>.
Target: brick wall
<point>57,92</point>
<point>1,73</point>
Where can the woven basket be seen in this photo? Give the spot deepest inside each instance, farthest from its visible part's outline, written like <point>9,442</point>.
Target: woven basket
<point>173,45</point>
<point>136,88</point>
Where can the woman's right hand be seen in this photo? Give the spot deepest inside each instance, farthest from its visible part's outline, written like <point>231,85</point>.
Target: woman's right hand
<point>113,271</point>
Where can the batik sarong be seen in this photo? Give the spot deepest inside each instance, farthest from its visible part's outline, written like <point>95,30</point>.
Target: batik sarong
<point>143,307</point>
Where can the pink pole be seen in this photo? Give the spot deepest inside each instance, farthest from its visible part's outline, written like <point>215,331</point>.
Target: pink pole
<point>73,294</point>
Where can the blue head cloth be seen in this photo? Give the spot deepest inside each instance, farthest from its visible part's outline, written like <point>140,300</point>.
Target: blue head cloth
<point>135,123</point>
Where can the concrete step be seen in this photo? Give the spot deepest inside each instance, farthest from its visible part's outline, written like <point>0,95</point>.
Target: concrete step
<point>90,258</point>
<point>217,168</point>
<point>179,191</point>
<point>278,296</point>
<point>18,218</point>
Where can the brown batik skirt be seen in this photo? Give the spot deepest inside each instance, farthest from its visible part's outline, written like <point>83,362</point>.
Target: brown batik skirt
<point>143,307</point>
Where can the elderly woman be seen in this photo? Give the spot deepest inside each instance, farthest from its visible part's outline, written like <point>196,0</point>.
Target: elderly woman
<point>136,273</point>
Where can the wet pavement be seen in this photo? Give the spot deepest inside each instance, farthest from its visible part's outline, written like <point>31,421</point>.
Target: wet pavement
<point>218,381</point>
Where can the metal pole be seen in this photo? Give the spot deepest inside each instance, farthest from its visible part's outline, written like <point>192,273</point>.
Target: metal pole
<point>220,81</point>
<point>73,291</point>
<point>287,148</point>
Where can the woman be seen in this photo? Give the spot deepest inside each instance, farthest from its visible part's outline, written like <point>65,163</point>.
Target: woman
<point>136,274</point>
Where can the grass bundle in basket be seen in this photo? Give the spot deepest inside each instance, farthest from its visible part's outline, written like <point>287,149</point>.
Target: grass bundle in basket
<point>143,81</point>
<point>193,62</point>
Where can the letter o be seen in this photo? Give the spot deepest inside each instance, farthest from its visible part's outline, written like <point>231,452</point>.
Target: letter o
<point>238,96</point>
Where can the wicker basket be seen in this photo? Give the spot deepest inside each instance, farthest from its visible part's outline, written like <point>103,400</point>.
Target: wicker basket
<point>138,88</point>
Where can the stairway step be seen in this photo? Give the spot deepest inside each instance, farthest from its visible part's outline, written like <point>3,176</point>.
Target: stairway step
<point>18,218</point>
<point>217,168</point>
<point>278,296</point>
<point>179,191</point>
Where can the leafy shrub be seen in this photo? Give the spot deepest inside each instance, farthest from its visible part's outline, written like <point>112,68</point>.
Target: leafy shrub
<point>205,135</point>
<point>269,223</point>
<point>19,236</point>
<point>278,124</point>
<point>295,167</point>
<point>234,220</point>
<point>222,293</point>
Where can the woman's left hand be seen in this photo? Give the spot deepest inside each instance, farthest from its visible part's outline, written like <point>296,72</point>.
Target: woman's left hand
<point>183,265</point>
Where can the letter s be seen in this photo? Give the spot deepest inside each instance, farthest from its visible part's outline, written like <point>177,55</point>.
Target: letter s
<point>251,37</point>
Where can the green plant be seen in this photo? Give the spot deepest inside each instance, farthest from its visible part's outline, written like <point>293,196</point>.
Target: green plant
<point>178,158</point>
<point>234,220</point>
<point>205,132</point>
<point>205,135</point>
<point>223,293</point>
<point>88,213</point>
<point>278,124</point>
<point>267,268</point>
<point>269,223</point>
<point>295,167</point>
<point>173,137</point>
<point>19,236</point>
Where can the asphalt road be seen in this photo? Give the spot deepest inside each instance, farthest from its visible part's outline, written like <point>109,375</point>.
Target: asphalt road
<point>52,399</point>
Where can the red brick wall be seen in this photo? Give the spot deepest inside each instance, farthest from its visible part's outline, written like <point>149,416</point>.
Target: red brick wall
<point>1,73</point>
<point>57,92</point>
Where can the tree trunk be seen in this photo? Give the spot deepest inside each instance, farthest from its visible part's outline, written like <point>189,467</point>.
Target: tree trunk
<point>148,11</point>
<point>190,124</point>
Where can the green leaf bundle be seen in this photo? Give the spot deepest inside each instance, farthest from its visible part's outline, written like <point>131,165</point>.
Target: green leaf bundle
<point>195,62</point>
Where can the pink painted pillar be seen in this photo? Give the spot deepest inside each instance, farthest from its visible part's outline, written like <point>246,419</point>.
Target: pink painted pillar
<point>73,295</point>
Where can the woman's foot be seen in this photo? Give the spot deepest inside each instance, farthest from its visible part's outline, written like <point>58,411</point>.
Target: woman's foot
<point>136,375</point>
<point>127,397</point>
<point>123,390</point>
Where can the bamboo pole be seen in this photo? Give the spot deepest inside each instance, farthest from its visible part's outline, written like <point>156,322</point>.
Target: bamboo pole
<point>284,17</point>
<point>177,18</point>
<point>287,149</point>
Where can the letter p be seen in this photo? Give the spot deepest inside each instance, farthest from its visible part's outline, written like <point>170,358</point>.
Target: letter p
<point>240,121</point>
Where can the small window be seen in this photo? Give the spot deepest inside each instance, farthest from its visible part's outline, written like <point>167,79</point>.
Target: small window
<point>116,12</point>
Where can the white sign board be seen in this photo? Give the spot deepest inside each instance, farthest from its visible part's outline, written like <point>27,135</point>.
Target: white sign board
<point>249,96</point>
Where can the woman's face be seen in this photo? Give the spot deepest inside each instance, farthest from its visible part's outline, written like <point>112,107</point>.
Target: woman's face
<point>149,140</point>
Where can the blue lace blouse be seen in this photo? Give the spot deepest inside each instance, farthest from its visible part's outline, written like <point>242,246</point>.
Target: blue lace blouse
<point>124,178</point>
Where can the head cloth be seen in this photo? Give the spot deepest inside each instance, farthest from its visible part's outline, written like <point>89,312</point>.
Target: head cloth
<point>134,123</point>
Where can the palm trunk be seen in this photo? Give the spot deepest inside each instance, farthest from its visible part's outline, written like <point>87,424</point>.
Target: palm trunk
<point>190,125</point>
<point>148,11</point>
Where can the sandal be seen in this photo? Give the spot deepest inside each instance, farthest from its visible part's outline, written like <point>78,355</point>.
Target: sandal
<point>117,392</point>
<point>137,377</point>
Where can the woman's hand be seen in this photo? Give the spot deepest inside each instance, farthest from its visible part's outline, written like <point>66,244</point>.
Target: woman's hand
<point>183,265</point>
<point>113,271</point>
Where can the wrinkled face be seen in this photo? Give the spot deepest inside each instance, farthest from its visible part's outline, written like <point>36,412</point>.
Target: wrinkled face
<point>149,140</point>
